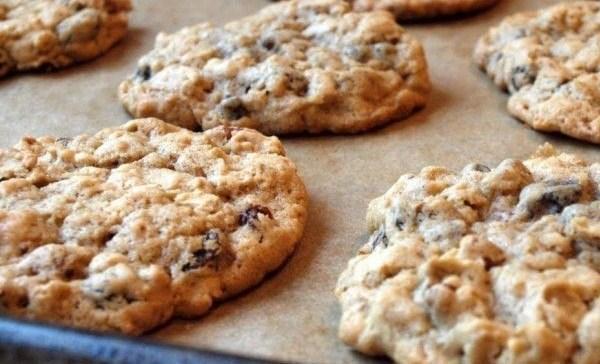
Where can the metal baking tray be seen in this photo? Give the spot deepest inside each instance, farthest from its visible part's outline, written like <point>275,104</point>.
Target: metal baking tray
<point>29,342</point>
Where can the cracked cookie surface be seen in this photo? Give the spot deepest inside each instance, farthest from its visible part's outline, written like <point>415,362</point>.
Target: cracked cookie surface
<point>298,66</point>
<point>483,266</point>
<point>50,34</point>
<point>549,62</point>
<point>423,9</point>
<point>124,229</point>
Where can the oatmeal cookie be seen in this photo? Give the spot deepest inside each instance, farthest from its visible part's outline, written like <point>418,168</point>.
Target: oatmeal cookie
<point>297,66</point>
<point>122,230</point>
<point>483,266</point>
<point>49,34</point>
<point>549,62</point>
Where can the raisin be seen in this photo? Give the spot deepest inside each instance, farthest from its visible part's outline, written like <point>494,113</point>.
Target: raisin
<point>522,75</point>
<point>250,216</point>
<point>549,198</point>
<point>380,239</point>
<point>64,141</point>
<point>481,168</point>
<point>205,255</point>
<point>201,257</point>
<point>399,223</point>
<point>268,43</point>
<point>144,73</point>
<point>233,108</point>
<point>556,198</point>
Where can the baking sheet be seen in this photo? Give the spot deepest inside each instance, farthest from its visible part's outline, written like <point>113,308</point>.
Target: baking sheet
<point>25,342</point>
<point>293,315</point>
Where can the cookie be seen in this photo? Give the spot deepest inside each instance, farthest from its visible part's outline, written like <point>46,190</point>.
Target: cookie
<point>122,230</point>
<point>423,9</point>
<point>299,66</point>
<point>549,62</point>
<point>482,266</point>
<point>50,34</point>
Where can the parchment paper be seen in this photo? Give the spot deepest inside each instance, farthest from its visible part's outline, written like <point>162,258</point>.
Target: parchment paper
<point>293,315</point>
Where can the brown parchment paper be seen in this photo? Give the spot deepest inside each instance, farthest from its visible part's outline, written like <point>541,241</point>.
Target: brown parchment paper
<point>293,315</point>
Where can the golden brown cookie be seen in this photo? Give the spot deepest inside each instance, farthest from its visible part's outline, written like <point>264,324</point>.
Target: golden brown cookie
<point>298,66</point>
<point>124,229</point>
<point>49,34</point>
<point>549,62</point>
<point>483,266</point>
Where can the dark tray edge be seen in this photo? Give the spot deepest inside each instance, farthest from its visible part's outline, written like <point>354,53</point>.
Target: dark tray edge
<point>32,342</point>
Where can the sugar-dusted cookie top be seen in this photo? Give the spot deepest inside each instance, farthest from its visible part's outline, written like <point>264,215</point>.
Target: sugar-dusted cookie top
<point>49,34</point>
<point>549,61</point>
<point>124,229</point>
<point>296,66</point>
<point>486,265</point>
